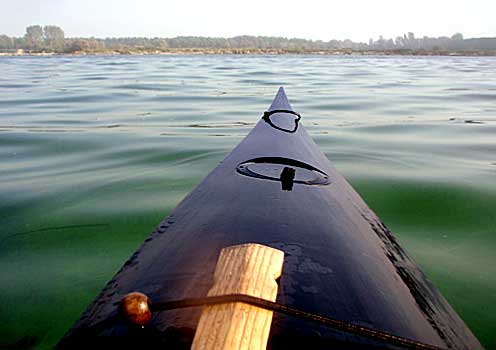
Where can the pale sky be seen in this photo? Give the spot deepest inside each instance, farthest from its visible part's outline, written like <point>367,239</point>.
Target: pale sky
<point>309,19</point>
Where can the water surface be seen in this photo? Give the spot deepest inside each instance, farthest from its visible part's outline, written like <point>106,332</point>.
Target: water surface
<point>95,151</point>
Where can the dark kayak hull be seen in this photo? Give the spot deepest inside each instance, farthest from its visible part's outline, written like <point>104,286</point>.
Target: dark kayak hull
<point>341,260</point>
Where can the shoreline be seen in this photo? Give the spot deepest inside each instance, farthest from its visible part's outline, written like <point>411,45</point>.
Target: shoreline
<point>253,52</point>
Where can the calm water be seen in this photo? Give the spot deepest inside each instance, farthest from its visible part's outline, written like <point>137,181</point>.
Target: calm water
<point>95,151</point>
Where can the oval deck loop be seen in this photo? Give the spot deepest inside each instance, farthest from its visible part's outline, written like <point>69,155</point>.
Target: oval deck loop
<point>266,116</point>
<point>275,168</point>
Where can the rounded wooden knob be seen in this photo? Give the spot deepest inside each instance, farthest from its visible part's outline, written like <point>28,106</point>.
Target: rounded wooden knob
<point>136,307</point>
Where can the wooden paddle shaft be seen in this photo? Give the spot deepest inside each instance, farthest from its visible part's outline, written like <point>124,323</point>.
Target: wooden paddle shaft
<point>250,269</point>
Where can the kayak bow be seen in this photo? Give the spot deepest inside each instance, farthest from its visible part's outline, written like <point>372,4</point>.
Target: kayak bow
<point>277,189</point>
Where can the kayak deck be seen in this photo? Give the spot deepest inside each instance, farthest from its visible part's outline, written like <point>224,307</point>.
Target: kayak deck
<point>341,261</point>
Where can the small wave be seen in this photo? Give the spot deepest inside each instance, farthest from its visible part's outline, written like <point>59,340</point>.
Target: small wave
<point>214,125</point>
<point>15,86</point>
<point>146,87</point>
<point>99,77</point>
<point>479,96</point>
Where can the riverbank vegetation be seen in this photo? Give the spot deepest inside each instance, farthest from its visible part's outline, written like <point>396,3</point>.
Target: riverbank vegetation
<point>51,39</point>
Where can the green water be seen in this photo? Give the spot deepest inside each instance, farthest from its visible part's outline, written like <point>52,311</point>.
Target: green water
<point>95,151</point>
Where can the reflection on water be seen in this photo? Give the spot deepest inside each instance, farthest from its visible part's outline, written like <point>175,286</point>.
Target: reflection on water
<point>95,151</point>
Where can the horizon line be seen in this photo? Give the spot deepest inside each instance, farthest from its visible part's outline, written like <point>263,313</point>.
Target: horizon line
<point>253,35</point>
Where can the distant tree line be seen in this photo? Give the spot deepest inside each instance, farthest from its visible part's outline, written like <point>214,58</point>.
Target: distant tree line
<point>51,38</point>
<point>412,43</point>
<point>36,39</point>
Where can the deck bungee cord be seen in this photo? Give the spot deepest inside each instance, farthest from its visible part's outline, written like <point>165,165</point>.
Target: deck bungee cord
<point>385,337</point>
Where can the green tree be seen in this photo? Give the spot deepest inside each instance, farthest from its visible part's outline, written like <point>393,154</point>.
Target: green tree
<point>34,37</point>
<point>54,38</point>
<point>19,43</point>
<point>457,36</point>
<point>75,45</point>
<point>6,43</point>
